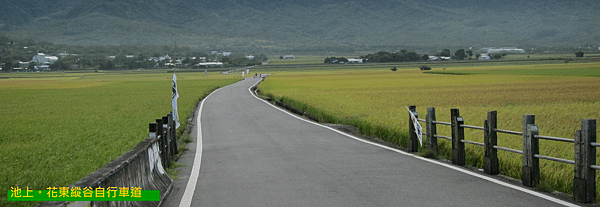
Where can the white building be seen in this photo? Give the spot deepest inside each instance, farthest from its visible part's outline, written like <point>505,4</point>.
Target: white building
<point>352,60</point>
<point>484,57</point>
<point>250,57</point>
<point>209,64</point>
<point>503,50</point>
<point>433,58</point>
<point>44,59</point>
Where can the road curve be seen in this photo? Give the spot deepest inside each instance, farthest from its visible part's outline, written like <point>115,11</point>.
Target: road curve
<point>252,154</point>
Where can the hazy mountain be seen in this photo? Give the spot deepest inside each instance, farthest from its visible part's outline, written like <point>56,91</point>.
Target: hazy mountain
<point>304,23</point>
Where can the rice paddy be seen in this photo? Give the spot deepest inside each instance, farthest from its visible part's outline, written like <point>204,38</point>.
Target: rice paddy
<point>59,127</point>
<point>373,99</point>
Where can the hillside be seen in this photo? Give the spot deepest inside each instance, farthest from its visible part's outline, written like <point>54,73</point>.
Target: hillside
<point>261,24</point>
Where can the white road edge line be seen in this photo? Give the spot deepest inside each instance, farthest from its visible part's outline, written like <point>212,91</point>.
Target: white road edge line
<point>186,199</point>
<point>558,201</point>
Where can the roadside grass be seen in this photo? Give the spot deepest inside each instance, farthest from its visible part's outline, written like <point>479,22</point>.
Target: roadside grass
<point>59,127</point>
<point>373,100</point>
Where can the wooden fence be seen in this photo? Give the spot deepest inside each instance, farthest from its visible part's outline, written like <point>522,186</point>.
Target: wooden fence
<point>164,129</point>
<point>142,166</point>
<point>584,181</point>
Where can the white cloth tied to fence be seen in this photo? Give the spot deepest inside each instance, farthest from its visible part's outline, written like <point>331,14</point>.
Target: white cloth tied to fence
<point>174,102</point>
<point>417,125</point>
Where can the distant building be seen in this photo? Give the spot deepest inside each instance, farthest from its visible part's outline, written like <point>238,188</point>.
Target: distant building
<point>433,58</point>
<point>44,59</point>
<point>484,57</point>
<point>289,57</point>
<point>209,64</point>
<point>502,50</point>
<point>24,65</point>
<point>250,57</point>
<point>352,60</point>
<point>129,56</point>
<point>42,67</point>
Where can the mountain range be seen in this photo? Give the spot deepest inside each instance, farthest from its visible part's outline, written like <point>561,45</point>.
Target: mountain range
<point>266,24</point>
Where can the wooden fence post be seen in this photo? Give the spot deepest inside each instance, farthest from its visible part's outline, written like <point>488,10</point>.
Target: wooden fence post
<point>458,134</point>
<point>531,164</point>
<point>160,134</point>
<point>584,181</point>
<point>167,140</point>
<point>152,130</point>
<point>413,142</point>
<point>173,135</point>
<point>490,160</point>
<point>431,130</point>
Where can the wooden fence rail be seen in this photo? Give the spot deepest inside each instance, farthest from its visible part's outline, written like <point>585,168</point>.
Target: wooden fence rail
<point>165,130</point>
<point>584,181</point>
<point>142,166</point>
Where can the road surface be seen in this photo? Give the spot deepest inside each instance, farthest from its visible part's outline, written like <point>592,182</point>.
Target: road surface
<point>248,153</point>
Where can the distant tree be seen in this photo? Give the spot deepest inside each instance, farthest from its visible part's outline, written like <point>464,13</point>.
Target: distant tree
<point>334,60</point>
<point>281,57</point>
<point>425,57</point>
<point>470,53</point>
<point>7,67</point>
<point>460,54</point>
<point>261,57</point>
<point>496,56</point>
<point>477,56</point>
<point>579,54</point>
<point>445,53</point>
<point>32,66</point>
<point>4,40</point>
<point>394,68</point>
<point>424,67</point>
<point>107,65</point>
<point>59,65</point>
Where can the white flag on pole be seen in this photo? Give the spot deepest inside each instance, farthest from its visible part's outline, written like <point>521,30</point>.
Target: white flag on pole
<point>175,96</point>
<point>417,125</point>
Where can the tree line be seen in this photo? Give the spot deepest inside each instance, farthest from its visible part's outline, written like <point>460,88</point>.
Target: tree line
<point>107,57</point>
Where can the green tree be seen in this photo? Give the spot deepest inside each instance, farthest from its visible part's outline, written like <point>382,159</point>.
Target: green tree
<point>460,54</point>
<point>7,67</point>
<point>425,58</point>
<point>4,40</point>
<point>445,53</point>
<point>579,54</point>
<point>470,53</point>
<point>107,65</point>
<point>32,66</point>
<point>59,65</point>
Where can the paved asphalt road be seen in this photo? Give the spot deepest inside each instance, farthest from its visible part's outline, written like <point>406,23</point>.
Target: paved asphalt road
<point>253,154</point>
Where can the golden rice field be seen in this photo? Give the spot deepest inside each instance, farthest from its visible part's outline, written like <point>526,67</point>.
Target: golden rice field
<point>374,100</point>
<point>59,127</point>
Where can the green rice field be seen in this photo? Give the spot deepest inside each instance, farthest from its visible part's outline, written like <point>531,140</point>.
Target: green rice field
<point>59,127</point>
<point>373,98</point>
